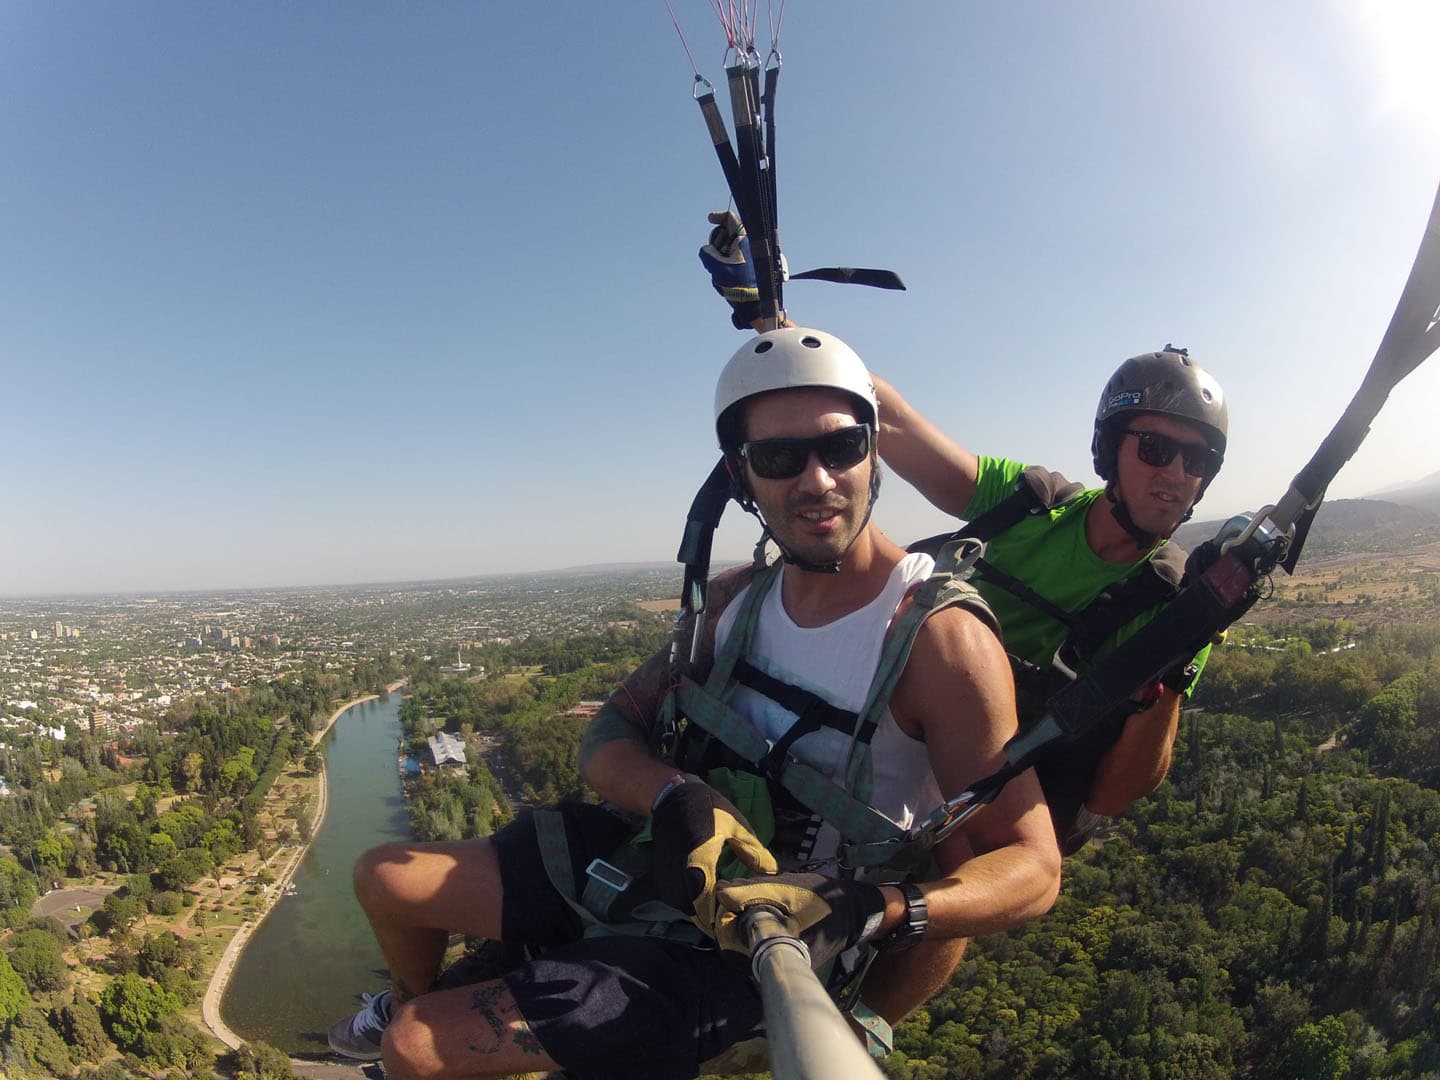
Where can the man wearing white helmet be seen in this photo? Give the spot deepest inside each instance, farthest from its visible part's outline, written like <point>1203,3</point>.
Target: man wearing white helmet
<point>840,696</point>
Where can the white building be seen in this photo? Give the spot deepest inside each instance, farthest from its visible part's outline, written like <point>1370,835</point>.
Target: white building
<point>446,747</point>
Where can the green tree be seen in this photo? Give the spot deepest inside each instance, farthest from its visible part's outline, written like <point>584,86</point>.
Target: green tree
<point>261,1061</point>
<point>36,956</point>
<point>1316,1051</point>
<point>13,994</point>
<point>78,1022</point>
<point>120,912</point>
<point>31,1038</point>
<point>130,1005</point>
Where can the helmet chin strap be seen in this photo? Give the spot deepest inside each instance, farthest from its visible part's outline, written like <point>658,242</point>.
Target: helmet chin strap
<point>1121,513</point>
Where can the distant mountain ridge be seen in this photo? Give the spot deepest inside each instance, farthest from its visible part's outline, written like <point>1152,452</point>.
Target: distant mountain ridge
<point>1346,526</point>
<point>1423,493</point>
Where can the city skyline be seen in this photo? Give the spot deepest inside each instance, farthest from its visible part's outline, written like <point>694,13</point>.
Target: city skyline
<point>301,297</point>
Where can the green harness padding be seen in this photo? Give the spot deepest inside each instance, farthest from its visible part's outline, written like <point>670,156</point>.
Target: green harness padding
<point>869,839</point>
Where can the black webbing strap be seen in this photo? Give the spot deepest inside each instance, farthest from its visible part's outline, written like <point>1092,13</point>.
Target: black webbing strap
<point>1198,612</point>
<point>715,124</point>
<point>810,707</point>
<point>767,103</point>
<point>700,525</point>
<point>812,712</point>
<point>1036,490</point>
<point>1151,585</point>
<point>988,572</point>
<point>750,198</point>
<point>1207,605</point>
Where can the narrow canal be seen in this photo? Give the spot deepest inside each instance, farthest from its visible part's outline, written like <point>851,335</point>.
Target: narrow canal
<point>308,961</point>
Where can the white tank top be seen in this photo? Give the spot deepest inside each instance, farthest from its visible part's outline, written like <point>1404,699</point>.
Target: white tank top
<point>837,662</point>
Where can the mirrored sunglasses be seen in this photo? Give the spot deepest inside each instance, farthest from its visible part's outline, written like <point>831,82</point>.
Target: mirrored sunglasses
<point>784,459</point>
<point>1159,450</point>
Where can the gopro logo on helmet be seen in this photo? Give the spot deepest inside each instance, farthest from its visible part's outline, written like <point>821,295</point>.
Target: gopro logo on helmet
<point>1126,400</point>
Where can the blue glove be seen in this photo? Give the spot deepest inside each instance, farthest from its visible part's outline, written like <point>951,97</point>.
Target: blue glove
<point>726,256</point>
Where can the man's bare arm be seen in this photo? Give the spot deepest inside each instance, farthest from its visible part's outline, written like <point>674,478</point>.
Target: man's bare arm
<point>1140,758</point>
<point>933,463</point>
<point>1003,868</point>
<point>616,758</point>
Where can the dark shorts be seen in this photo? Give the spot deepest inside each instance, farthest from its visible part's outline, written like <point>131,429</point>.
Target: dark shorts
<point>612,1006</point>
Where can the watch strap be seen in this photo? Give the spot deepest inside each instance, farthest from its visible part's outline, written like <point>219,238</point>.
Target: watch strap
<point>917,919</point>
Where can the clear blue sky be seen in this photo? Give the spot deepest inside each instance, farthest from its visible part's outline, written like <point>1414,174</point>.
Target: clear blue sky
<point>333,292</point>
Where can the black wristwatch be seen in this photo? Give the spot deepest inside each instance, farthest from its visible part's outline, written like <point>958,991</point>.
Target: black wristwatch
<point>917,918</point>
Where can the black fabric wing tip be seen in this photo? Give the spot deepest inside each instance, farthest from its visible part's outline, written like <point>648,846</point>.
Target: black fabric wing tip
<point>853,275</point>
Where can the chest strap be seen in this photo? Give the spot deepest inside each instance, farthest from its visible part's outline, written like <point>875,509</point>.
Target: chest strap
<point>812,712</point>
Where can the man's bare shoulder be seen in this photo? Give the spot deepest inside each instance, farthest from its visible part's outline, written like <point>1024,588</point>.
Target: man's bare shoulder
<point>727,584</point>
<point>957,657</point>
<point>957,634</point>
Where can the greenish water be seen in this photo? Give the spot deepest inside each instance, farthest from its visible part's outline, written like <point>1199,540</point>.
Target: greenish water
<point>311,957</point>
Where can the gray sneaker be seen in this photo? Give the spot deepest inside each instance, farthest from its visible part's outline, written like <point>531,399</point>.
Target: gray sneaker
<point>358,1036</point>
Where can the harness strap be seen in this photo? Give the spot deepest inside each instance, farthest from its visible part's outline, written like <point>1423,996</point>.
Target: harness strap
<point>992,574</point>
<point>811,710</point>
<point>746,620</point>
<point>809,706</point>
<point>1120,602</point>
<point>879,1035</point>
<point>854,819</point>
<point>945,587</point>
<point>700,525</point>
<point>648,919</point>
<point>1036,490</point>
<point>1153,583</point>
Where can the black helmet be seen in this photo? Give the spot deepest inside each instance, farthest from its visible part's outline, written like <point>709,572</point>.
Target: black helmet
<point>1166,383</point>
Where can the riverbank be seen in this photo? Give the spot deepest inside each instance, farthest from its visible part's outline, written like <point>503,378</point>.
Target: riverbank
<point>225,967</point>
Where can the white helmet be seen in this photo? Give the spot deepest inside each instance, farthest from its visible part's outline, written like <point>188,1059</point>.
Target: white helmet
<point>788,359</point>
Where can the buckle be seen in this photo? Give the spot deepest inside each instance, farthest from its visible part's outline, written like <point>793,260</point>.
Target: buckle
<point>609,875</point>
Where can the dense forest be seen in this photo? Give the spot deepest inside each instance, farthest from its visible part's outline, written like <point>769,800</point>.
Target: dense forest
<point>1271,911</point>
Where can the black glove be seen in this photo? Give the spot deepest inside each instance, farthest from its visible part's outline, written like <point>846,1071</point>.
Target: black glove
<point>828,914</point>
<point>691,827</point>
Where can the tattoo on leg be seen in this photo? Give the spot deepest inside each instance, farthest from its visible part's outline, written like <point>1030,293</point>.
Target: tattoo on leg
<point>525,1038</point>
<point>497,1008</point>
<point>400,992</point>
<point>485,1001</point>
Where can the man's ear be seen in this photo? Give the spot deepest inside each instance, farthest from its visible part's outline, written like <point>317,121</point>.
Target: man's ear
<point>739,485</point>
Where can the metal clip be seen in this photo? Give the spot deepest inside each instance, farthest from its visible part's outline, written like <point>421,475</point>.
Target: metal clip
<point>609,875</point>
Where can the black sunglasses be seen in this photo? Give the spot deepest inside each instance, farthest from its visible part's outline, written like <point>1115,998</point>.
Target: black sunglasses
<point>1159,450</point>
<point>785,459</point>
